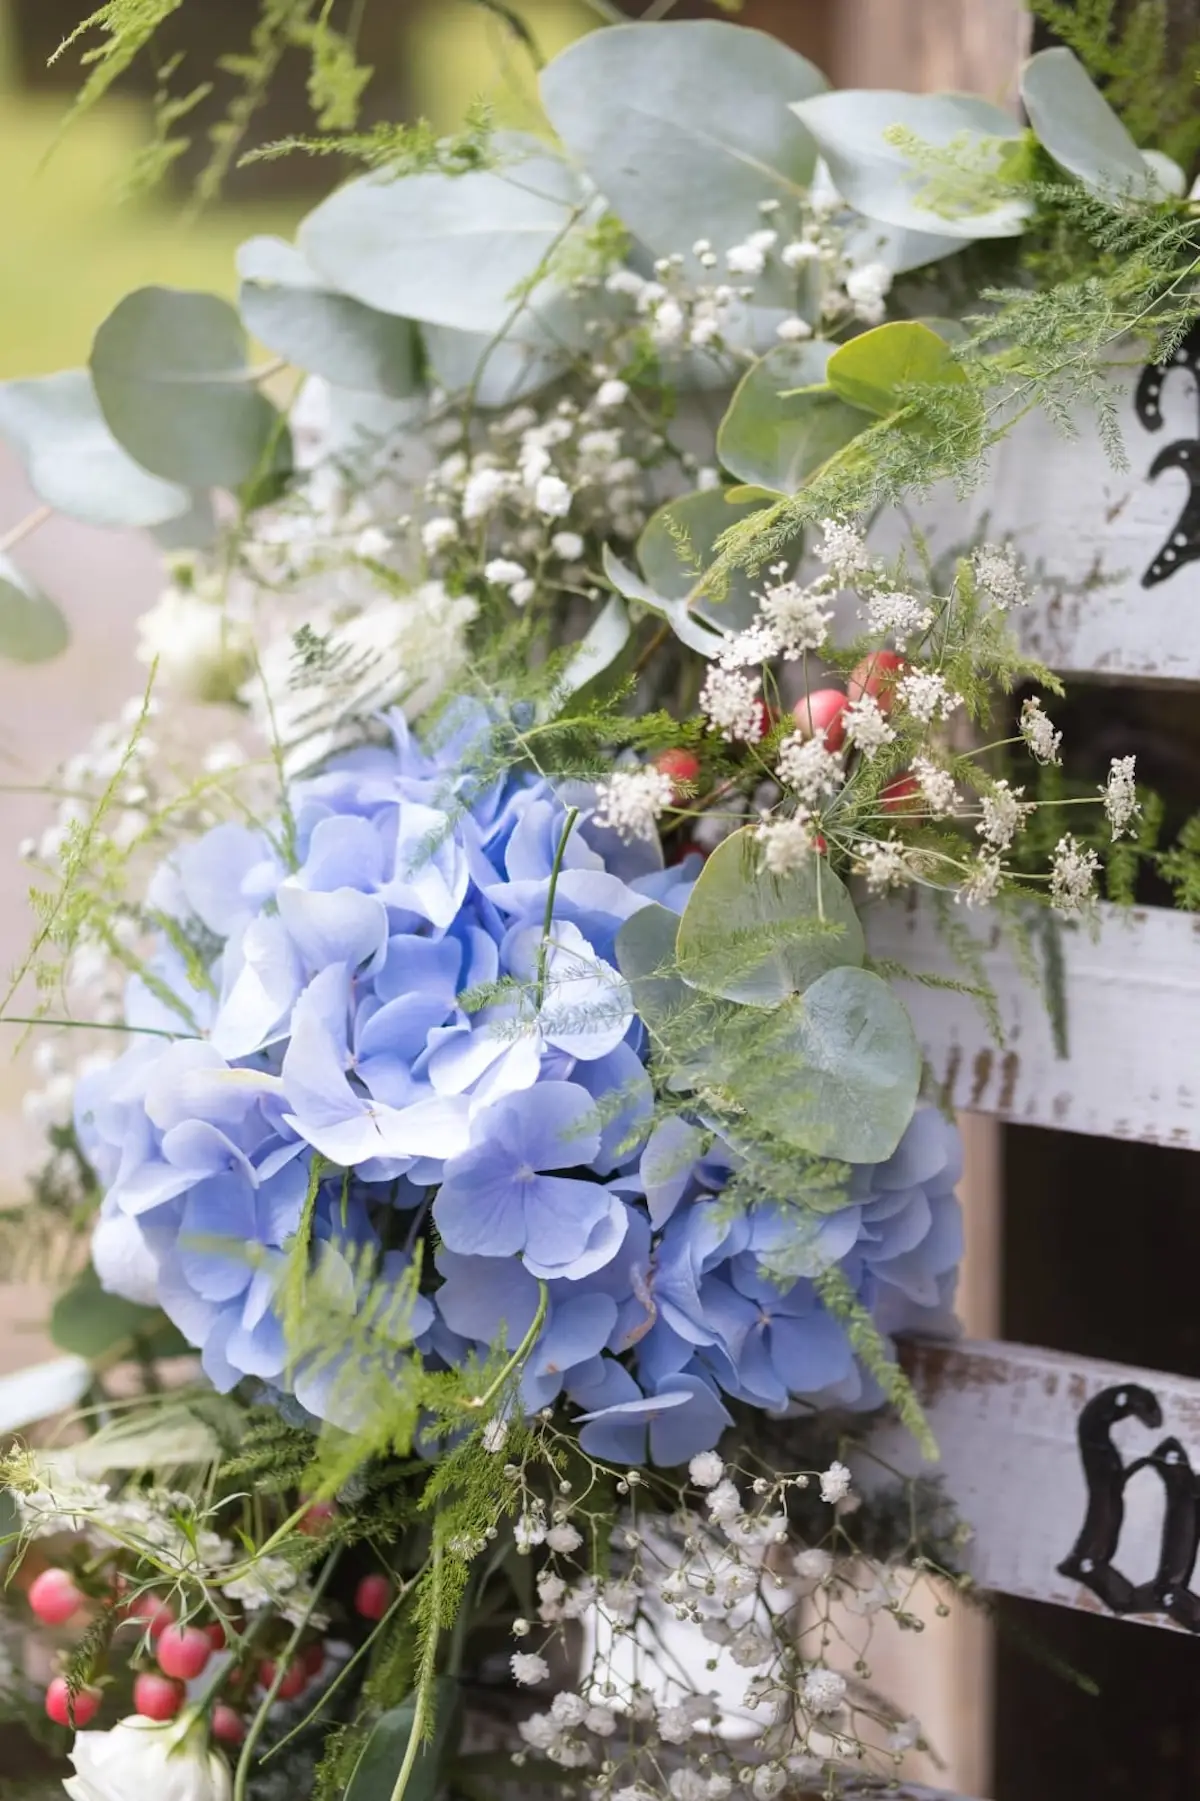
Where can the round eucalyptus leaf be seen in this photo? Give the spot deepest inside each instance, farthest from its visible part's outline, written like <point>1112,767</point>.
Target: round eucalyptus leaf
<point>684,127</point>
<point>963,194</point>
<point>599,647</point>
<point>1075,124</point>
<point>499,373</point>
<point>679,544</point>
<point>749,936</point>
<point>840,1070</point>
<point>686,627</point>
<point>876,370</point>
<point>286,307</point>
<point>453,250</point>
<point>32,630</point>
<point>171,376</point>
<point>645,952</point>
<point>898,248</point>
<point>194,530</point>
<point>775,438</point>
<point>72,460</point>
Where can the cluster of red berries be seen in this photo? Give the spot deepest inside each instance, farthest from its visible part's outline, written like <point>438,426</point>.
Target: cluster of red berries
<point>182,1653</point>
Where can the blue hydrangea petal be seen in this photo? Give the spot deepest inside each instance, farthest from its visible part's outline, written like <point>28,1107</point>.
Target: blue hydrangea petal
<point>680,1433</point>
<point>572,1228</point>
<point>343,926</point>
<point>261,987</point>
<point>666,1167</point>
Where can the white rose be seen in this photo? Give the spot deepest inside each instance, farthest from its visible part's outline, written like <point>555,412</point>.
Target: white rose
<point>140,1759</point>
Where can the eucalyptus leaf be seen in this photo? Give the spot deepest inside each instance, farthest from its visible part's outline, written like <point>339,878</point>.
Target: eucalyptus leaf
<point>684,126</point>
<point>375,1773</point>
<point>286,307</point>
<point>43,1389</point>
<point>90,1322</point>
<point>72,460</point>
<point>453,250</point>
<point>1077,127</point>
<point>172,380</point>
<point>599,647</point>
<point>840,1070</point>
<point>689,630</point>
<point>645,951</point>
<point>964,193</point>
<point>774,437</point>
<point>874,370</point>
<point>679,544</point>
<point>750,936</point>
<point>32,630</point>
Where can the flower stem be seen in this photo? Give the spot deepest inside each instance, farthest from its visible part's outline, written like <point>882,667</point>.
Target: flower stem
<point>548,919</point>
<point>428,1671</point>
<point>242,1774</point>
<point>26,527</point>
<point>522,1351</point>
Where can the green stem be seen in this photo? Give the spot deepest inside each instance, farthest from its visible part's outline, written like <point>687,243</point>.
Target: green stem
<point>548,919</point>
<point>522,1351</point>
<point>242,1773</point>
<point>425,1680</point>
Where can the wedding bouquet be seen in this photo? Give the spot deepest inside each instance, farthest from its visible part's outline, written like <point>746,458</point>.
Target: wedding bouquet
<point>486,1077</point>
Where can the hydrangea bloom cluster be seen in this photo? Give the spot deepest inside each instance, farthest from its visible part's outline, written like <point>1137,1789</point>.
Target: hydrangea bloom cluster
<point>331,1079</point>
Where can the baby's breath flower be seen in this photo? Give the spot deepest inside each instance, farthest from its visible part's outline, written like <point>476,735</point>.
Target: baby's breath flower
<point>502,572</point>
<point>866,727</point>
<point>730,701</point>
<point>612,393</point>
<point>632,801</point>
<point>998,576</point>
<point>527,1668</point>
<point>552,497</point>
<point>1038,731</point>
<point>793,329</point>
<point>564,1539</point>
<point>867,289</point>
<point>1120,795</point>
<point>436,533</point>
<point>706,1469</point>
<point>824,1691</point>
<point>1004,814</point>
<point>746,259</point>
<point>835,1482</point>
<point>567,545</point>
<point>1072,875</point>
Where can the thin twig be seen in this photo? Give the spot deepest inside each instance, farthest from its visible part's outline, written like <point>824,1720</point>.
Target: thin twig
<point>31,523</point>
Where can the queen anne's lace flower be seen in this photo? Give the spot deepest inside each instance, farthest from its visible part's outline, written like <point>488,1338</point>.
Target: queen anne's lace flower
<point>843,550</point>
<point>796,617</point>
<point>900,616</point>
<point>730,701</point>
<point>1038,731</point>
<point>1003,815</point>
<point>804,765</point>
<point>1072,875</point>
<point>1120,795</point>
<point>866,725</point>
<point>786,843</point>
<point>936,785</point>
<point>885,865</point>
<point>925,694</point>
<point>998,575</point>
<point>632,801</point>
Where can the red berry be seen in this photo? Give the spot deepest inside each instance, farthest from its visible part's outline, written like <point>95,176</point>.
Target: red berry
<point>157,1697</point>
<point>151,1611</point>
<point>183,1651</point>
<point>822,711</point>
<point>767,717</point>
<point>216,1635</point>
<point>314,1657</point>
<point>317,1518</point>
<point>877,676</point>
<point>295,1678</point>
<point>54,1597</point>
<point>373,1597</point>
<point>227,1725</point>
<point>63,1711</point>
<point>903,795</point>
<point>681,766</point>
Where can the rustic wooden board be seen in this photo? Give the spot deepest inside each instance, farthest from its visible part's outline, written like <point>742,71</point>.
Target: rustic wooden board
<point>1119,1536</point>
<point>1131,1020</point>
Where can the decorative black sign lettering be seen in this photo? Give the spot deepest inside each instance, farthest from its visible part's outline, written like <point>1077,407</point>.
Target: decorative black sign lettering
<point>1107,1473</point>
<point>1183,544</point>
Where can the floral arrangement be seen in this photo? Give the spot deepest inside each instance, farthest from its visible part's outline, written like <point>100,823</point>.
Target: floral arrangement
<point>486,1077</point>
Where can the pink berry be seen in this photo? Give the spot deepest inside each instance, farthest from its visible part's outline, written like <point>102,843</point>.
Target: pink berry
<point>373,1597</point>
<point>876,675</point>
<point>682,767</point>
<point>317,1518</point>
<point>183,1651</point>
<point>63,1711</point>
<point>295,1678</point>
<point>150,1611</point>
<point>227,1725</point>
<point>157,1697</point>
<point>216,1635</point>
<point>822,711</point>
<point>54,1597</point>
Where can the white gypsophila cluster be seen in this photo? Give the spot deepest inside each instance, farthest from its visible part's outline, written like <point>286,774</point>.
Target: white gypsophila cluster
<point>885,865</point>
<point>1037,729</point>
<point>1003,814</point>
<point>632,801</point>
<point>937,786</point>
<point>998,576</point>
<point>867,289</point>
<point>808,769</point>
<point>835,1482</point>
<point>1073,872</point>
<point>926,696</point>
<point>866,725</point>
<point>899,616</point>
<point>1120,795</point>
<point>786,843</point>
<point>731,703</point>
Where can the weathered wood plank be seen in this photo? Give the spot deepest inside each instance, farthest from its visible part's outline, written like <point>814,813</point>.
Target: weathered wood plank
<point>1131,1017</point>
<point>1074,1476</point>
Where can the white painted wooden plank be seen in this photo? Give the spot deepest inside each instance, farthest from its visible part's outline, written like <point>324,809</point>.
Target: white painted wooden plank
<point>1117,550</point>
<point>1132,1017</point>
<point>1110,1528</point>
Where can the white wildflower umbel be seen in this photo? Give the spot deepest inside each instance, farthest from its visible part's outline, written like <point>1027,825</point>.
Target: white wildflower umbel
<point>786,844</point>
<point>1120,795</point>
<point>1072,875</point>
<point>796,617</point>
<point>1003,815</point>
<point>925,694</point>
<point>866,726</point>
<point>805,766</point>
<point>884,865</point>
<point>632,801</point>
<point>730,701</point>
<point>844,552</point>
<point>936,785</point>
<point>998,576</point>
<point>1038,731</point>
<point>981,883</point>
<point>898,616</point>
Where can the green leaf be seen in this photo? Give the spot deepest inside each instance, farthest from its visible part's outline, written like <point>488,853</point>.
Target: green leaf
<point>946,175</point>
<point>645,948</point>
<point>378,1766</point>
<point>599,647</point>
<point>91,1323</point>
<point>1079,129</point>
<point>173,383</point>
<point>73,462</point>
<point>873,370</point>
<point>286,307</point>
<point>453,249</point>
<point>753,937</point>
<point>776,438</point>
<point>498,373</point>
<point>679,545</point>
<point>684,127</point>
<point>689,630</point>
<point>32,629</point>
<point>852,1067</point>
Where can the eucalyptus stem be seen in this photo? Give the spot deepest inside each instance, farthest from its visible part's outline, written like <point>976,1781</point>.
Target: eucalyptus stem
<point>428,1671</point>
<point>242,1774</point>
<point>548,918</point>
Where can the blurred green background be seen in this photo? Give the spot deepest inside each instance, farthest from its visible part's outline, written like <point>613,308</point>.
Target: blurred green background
<point>73,245</point>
